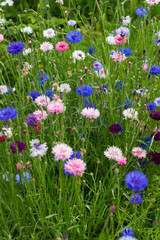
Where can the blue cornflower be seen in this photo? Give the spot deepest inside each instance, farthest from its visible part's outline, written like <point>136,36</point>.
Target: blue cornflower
<point>41,78</point>
<point>142,162</point>
<point>104,87</point>
<point>126,51</point>
<point>31,120</point>
<point>25,176</point>
<point>92,50</point>
<point>157,102</point>
<point>151,106</point>
<point>128,103</point>
<point>136,198</point>
<point>8,113</point>
<point>76,154</point>
<point>87,103</point>
<point>9,90</point>
<point>157,41</point>
<point>15,47</point>
<point>136,180</point>
<point>147,141</point>
<point>33,94</point>
<point>49,93</point>
<point>127,232</point>
<point>97,66</point>
<point>85,91</point>
<point>74,37</point>
<point>142,11</point>
<point>123,31</point>
<point>155,70</point>
<point>118,85</point>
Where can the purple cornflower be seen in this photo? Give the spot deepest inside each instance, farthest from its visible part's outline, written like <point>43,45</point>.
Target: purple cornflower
<point>15,47</point>
<point>74,37</point>
<point>136,198</point>
<point>115,128</point>
<point>97,66</point>
<point>8,113</point>
<point>31,120</point>
<point>123,31</point>
<point>136,180</point>
<point>21,146</point>
<point>155,115</point>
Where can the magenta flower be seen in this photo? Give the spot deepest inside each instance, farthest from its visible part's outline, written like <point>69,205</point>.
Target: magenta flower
<point>119,39</point>
<point>62,46</point>
<point>20,145</point>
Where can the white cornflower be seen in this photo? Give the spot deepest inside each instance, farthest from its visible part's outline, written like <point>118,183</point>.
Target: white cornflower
<point>130,113</point>
<point>65,87</point>
<point>72,23</point>
<point>110,40</point>
<point>126,21</point>
<point>113,153</point>
<point>37,148</point>
<point>9,2</point>
<point>46,46</point>
<point>59,1</point>
<point>100,73</point>
<point>7,131</point>
<point>78,55</point>
<point>27,30</point>
<point>49,33</point>
<point>27,51</point>
<point>3,89</point>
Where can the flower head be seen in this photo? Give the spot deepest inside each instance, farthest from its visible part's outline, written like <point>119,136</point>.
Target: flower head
<point>72,23</point>
<point>110,40</point>
<point>62,46</point>
<point>138,152</point>
<point>20,145</point>
<point>127,232</point>
<point>115,128</point>
<point>15,47</point>
<point>38,149</point>
<point>41,78</point>
<point>46,46</point>
<point>90,113</point>
<point>31,120</point>
<point>136,198</point>
<point>126,51</point>
<point>8,113</point>
<point>123,31</point>
<point>136,180</point>
<point>55,107</point>
<point>74,37</point>
<point>74,166</point>
<point>122,160</point>
<point>127,238</point>
<point>62,151</point>
<point>27,30</point>
<point>3,89</point>
<point>152,2</point>
<point>23,178</point>
<point>157,102</point>
<point>40,115</point>
<point>85,91</point>
<point>1,37</point>
<point>97,66</point>
<point>113,153</point>
<point>126,20</point>
<point>42,101</point>
<point>142,11</point>
<point>78,55</point>
<point>49,33</point>
<point>65,87</point>
<point>118,57</point>
<point>130,113</point>
<point>119,39</point>
<point>155,115</point>
<point>155,70</point>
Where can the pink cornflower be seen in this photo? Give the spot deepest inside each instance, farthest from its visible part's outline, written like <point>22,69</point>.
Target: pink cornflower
<point>1,37</point>
<point>46,46</point>
<point>152,2</point>
<point>122,160</point>
<point>118,57</point>
<point>138,152</point>
<point>62,151</point>
<point>41,115</point>
<point>113,153</point>
<point>145,67</point>
<point>19,166</point>
<point>119,39</point>
<point>42,101</point>
<point>55,107</point>
<point>90,113</point>
<point>75,166</point>
<point>62,46</point>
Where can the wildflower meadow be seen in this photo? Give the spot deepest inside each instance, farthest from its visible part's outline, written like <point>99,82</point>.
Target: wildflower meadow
<point>80,120</point>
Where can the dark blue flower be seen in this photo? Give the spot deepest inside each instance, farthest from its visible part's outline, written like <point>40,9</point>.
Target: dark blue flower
<point>118,85</point>
<point>25,177</point>
<point>136,198</point>
<point>92,50</point>
<point>49,93</point>
<point>127,232</point>
<point>126,51</point>
<point>41,78</point>
<point>87,103</point>
<point>97,66</point>
<point>155,70</point>
<point>33,94</point>
<point>151,106</point>
<point>31,120</point>
<point>85,90</point>
<point>8,113</point>
<point>65,171</point>
<point>142,162</point>
<point>76,154</point>
<point>15,47</point>
<point>128,103</point>
<point>147,141</point>
<point>74,37</point>
<point>142,11</point>
<point>136,180</point>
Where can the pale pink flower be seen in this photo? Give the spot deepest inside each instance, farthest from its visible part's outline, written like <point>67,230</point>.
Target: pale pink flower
<point>113,153</point>
<point>55,107</point>
<point>119,39</point>
<point>152,2</point>
<point>145,67</point>
<point>122,160</point>
<point>138,152</point>
<point>1,37</point>
<point>62,46</point>
<point>41,115</point>
<point>118,57</point>
<point>62,151</point>
<point>42,101</point>
<point>75,166</point>
<point>90,113</point>
<point>46,46</point>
